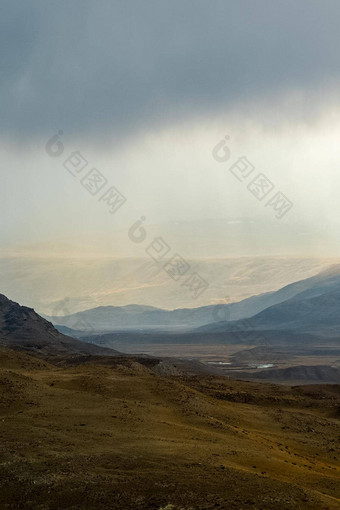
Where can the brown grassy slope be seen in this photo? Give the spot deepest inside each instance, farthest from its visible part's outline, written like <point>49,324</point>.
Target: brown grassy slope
<point>121,437</point>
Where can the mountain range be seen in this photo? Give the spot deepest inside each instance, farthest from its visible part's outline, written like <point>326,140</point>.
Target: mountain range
<point>309,306</point>
<point>300,319</point>
<point>58,281</point>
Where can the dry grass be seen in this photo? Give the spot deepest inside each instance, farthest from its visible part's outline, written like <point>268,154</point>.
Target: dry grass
<point>121,437</point>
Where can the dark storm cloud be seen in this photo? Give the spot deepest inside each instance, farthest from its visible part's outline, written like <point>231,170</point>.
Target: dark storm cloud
<point>92,67</point>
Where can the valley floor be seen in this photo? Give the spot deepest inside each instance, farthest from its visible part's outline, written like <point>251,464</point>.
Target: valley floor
<point>120,436</point>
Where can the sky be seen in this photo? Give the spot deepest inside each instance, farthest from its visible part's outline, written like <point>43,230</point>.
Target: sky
<point>161,100</point>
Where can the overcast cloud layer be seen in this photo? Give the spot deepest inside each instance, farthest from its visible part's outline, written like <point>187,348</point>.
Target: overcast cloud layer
<point>116,67</point>
<point>145,91</point>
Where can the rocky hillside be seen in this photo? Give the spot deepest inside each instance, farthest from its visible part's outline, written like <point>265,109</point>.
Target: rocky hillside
<point>22,328</point>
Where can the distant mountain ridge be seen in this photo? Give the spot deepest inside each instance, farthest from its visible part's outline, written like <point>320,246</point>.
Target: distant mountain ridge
<point>49,283</point>
<point>283,309</point>
<point>308,306</point>
<point>135,317</point>
<point>324,374</point>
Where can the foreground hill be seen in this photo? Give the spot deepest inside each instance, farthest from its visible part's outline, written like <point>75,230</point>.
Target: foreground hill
<point>120,436</point>
<point>22,328</point>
